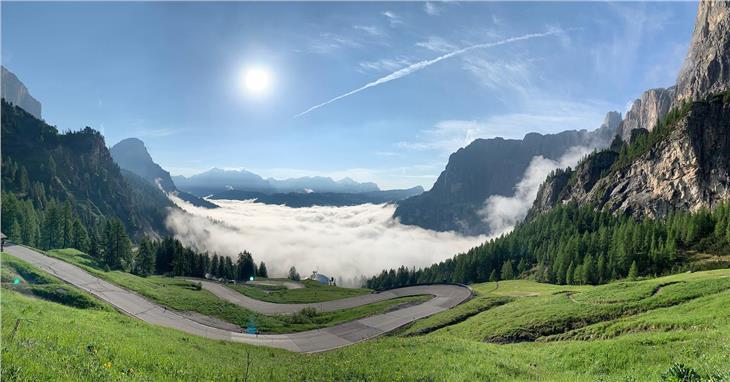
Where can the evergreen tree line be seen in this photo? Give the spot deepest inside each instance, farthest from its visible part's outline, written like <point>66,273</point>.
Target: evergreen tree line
<point>578,245</point>
<point>43,223</point>
<point>51,224</point>
<point>170,257</point>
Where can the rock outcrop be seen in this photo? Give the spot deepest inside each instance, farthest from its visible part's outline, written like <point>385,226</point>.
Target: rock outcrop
<point>15,92</point>
<point>706,69</point>
<point>688,169</point>
<point>647,110</point>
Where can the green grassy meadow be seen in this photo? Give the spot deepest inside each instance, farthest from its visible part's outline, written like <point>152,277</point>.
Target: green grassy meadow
<point>183,295</point>
<point>314,292</point>
<point>674,328</point>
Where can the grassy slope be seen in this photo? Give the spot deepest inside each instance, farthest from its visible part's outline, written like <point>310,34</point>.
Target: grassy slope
<point>179,294</point>
<point>103,345</point>
<point>531,318</point>
<point>314,292</point>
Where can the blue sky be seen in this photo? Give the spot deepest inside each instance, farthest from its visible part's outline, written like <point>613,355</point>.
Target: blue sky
<point>169,74</point>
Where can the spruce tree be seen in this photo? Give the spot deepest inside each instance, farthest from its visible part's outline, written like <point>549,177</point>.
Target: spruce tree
<point>145,264</point>
<point>633,271</point>
<point>262,271</point>
<point>293,274</point>
<point>507,273</point>
<point>493,276</point>
<point>569,274</point>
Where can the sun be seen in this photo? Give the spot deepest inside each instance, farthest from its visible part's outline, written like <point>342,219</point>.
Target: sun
<point>256,80</point>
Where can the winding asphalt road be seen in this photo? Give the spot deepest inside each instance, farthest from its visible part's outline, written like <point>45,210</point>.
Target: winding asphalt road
<point>312,341</point>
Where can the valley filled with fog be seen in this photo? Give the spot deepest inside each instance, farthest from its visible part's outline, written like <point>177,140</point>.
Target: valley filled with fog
<point>342,242</point>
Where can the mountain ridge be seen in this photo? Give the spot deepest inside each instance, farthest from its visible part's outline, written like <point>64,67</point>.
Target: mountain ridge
<point>15,92</point>
<point>489,167</point>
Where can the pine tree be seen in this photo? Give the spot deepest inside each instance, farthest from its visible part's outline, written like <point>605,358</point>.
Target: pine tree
<point>633,271</point>
<point>521,267</point>
<point>601,274</point>
<point>80,239</point>
<point>589,270</point>
<point>94,250</point>
<point>145,264</point>
<point>24,183</point>
<point>493,276</point>
<point>293,274</point>
<point>262,271</point>
<point>214,266</point>
<point>507,273</point>
<point>67,221</point>
<point>15,234</point>
<point>569,274</point>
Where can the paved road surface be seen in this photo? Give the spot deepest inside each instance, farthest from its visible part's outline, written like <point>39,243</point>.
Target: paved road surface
<point>442,294</point>
<point>288,284</point>
<point>446,296</point>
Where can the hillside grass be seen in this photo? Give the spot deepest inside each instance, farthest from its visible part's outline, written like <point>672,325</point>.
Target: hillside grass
<point>534,317</point>
<point>312,292</point>
<point>183,295</point>
<point>58,342</point>
<point>19,276</point>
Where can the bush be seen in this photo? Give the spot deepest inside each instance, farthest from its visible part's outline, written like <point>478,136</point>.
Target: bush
<point>304,316</point>
<point>681,373</point>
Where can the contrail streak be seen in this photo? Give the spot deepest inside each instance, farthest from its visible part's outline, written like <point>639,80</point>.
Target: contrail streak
<point>426,63</point>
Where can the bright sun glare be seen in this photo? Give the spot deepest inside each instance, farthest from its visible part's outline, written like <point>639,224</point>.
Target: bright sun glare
<point>257,80</point>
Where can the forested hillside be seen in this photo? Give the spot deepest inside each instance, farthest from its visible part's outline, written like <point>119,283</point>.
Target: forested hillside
<point>579,245</point>
<point>43,169</point>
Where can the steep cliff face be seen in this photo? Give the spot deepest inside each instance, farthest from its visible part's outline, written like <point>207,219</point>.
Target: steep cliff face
<point>688,168</point>
<point>15,92</point>
<point>645,111</point>
<point>706,70</point>
<point>707,66</point>
<point>488,167</point>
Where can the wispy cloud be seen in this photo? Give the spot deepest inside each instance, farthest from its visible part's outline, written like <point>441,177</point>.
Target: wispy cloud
<point>327,43</point>
<point>158,133</point>
<point>426,63</point>
<point>369,29</point>
<point>431,9</point>
<point>393,18</point>
<point>386,64</point>
<point>543,116</point>
<point>437,44</point>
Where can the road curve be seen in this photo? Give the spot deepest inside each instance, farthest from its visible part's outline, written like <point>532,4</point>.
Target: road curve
<point>442,293</point>
<point>312,341</point>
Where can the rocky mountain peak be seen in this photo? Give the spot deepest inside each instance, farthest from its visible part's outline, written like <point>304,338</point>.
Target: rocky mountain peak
<point>706,69</point>
<point>132,155</point>
<point>15,92</point>
<point>645,111</point>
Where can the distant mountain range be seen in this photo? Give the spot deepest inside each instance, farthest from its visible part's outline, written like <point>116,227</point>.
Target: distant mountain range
<point>15,92</point>
<point>309,199</point>
<point>132,156</point>
<point>216,180</point>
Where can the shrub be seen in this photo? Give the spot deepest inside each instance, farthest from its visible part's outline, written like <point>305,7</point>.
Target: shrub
<point>681,373</point>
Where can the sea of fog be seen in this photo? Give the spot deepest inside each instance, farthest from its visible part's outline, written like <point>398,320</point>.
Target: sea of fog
<point>343,242</point>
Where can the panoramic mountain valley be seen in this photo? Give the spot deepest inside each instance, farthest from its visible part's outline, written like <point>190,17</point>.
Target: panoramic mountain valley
<point>419,191</point>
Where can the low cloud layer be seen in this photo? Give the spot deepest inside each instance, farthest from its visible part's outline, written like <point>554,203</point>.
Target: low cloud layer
<point>502,213</point>
<point>344,242</point>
